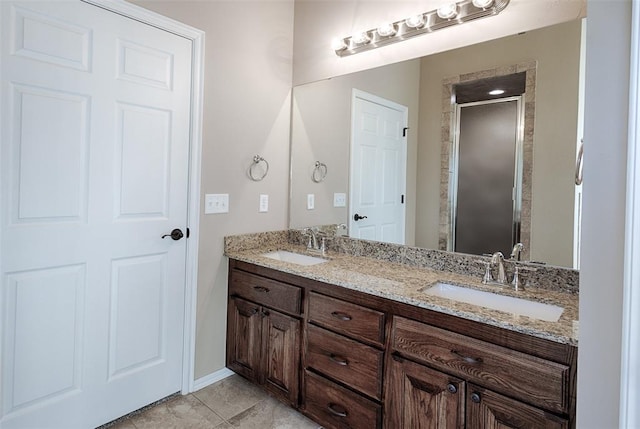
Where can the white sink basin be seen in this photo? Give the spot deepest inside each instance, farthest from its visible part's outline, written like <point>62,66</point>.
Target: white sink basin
<point>508,304</point>
<point>294,258</point>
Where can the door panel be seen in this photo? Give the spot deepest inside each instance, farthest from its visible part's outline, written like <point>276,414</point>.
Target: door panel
<point>378,166</point>
<point>95,143</point>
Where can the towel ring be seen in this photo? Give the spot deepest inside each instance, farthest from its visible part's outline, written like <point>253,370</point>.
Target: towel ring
<point>319,172</point>
<point>257,176</point>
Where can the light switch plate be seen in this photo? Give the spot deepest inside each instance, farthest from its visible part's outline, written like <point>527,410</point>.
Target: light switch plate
<point>339,199</point>
<point>311,201</point>
<point>216,203</point>
<point>264,203</point>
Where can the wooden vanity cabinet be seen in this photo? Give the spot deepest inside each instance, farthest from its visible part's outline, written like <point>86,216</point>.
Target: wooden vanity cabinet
<point>487,409</point>
<point>348,359</point>
<point>343,361</point>
<point>263,344</point>
<point>420,397</point>
<point>536,391</point>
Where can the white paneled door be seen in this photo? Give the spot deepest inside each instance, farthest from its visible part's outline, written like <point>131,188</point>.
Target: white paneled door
<point>378,169</point>
<point>94,168</point>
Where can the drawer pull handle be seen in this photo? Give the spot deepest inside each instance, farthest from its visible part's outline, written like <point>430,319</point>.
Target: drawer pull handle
<point>467,359</point>
<point>341,316</point>
<point>261,289</point>
<point>338,359</point>
<point>475,397</point>
<point>337,410</point>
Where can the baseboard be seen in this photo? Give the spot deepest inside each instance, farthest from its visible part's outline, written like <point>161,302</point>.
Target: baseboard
<point>207,380</point>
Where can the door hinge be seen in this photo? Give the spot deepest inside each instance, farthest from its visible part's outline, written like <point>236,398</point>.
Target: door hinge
<point>404,131</point>
<point>401,202</point>
<point>188,232</point>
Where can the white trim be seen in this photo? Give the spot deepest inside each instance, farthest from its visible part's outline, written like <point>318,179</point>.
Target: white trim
<point>214,377</point>
<point>630,371</point>
<point>197,94</point>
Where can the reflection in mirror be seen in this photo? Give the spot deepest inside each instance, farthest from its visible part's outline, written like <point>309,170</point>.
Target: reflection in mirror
<point>321,129</point>
<point>490,141</point>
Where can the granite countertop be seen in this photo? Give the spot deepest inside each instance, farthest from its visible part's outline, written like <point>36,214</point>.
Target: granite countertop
<point>403,283</point>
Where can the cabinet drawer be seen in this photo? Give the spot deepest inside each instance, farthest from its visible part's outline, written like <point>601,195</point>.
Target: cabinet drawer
<point>352,320</point>
<point>336,407</point>
<point>534,380</point>
<point>271,293</point>
<point>348,361</point>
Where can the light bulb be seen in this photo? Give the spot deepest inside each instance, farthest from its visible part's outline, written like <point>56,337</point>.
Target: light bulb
<point>387,29</point>
<point>482,4</point>
<point>338,44</point>
<point>415,21</point>
<point>448,11</point>
<point>361,38</point>
<point>496,92</point>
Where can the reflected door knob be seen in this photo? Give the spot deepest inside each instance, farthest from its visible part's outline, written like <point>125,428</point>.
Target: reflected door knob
<point>357,217</point>
<point>176,234</point>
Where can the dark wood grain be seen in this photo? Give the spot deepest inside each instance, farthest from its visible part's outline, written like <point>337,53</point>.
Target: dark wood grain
<point>538,381</point>
<point>338,408</point>
<point>418,397</point>
<point>357,365</point>
<point>281,355</point>
<point>244,338</point>
<point>490,410</point>
<point>352,320</point>
<point>271,293</point>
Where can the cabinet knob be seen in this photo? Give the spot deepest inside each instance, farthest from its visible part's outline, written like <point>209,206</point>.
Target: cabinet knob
<point>261,289</point>
<point>475,397</point>
<point>452,388</point>
<point>341,316</point>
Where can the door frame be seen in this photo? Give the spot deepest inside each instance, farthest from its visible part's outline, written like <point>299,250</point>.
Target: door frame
<point>630,374</point>
<point>355,94</point>
<point>518,168</point>
<point>196,36</point>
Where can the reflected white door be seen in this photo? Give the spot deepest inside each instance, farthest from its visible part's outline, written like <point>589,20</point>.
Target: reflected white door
<point>378,169</point>
<point>95,142</point>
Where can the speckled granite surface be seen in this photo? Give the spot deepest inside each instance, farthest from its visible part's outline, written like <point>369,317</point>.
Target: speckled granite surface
<point>395,277</point>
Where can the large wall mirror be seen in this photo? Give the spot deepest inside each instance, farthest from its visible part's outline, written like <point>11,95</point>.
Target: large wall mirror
<point>326,119</point>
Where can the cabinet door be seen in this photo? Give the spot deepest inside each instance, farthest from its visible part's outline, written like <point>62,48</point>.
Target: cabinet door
<point>243,338</point>
<point>281,355</point>
<point>487,409</point>
<point>418,397</point>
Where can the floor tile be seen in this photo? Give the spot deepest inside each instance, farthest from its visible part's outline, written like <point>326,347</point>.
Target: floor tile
<point>271,414</point>
<point>185,412</point>
<point>230,396</point>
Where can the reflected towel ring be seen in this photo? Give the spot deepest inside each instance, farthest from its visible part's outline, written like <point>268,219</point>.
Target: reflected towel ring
<point>319,172</point>
<point>254,170</point>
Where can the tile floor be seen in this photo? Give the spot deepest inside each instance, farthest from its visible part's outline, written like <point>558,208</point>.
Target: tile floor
<point>229,403</point>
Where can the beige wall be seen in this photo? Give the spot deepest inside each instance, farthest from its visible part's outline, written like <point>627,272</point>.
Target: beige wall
<point>318,22</point>
<point>321,130</point>
<point>246,112</point>
<point>557,52</point>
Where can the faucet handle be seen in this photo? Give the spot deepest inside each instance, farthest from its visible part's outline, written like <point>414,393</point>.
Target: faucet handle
<point>487,278</point>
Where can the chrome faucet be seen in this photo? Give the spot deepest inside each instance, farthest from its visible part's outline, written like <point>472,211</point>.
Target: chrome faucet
<point>517,250</point>
<point>498,258</point>
<point>312,243</point>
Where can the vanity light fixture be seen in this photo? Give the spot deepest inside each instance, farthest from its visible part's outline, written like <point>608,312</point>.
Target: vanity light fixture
<point>453,13</point>
<point>496,92</point>
<point>482,4</point>
<point>448,11</point>
<point>415,21</point>
<point>387,29</point>
<point>361,38</point>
